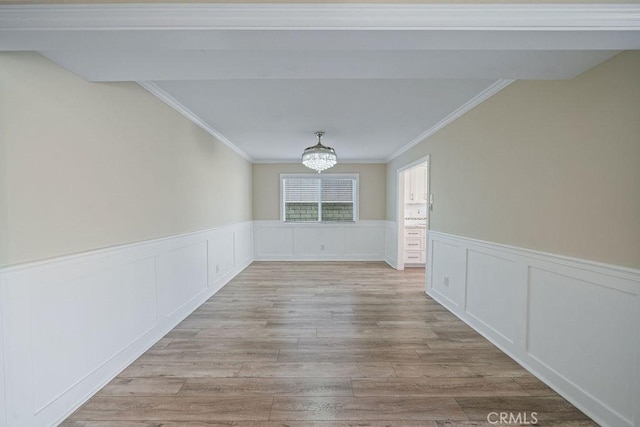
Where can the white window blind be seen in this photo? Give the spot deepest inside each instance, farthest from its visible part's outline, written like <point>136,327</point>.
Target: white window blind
<point>337,190</point>
<point>301,190</point>
<point>328,198</point>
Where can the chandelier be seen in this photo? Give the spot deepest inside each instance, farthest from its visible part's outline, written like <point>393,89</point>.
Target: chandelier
<point>319,157</point>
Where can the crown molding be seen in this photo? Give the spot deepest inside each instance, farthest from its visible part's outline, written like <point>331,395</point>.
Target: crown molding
<point>173,103</point>
<point>547,17</point>
<point>470,104</point>
<point>22,21</point>
<point>340,161</point>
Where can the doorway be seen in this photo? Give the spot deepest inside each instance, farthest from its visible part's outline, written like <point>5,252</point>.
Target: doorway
<point>414,209</point>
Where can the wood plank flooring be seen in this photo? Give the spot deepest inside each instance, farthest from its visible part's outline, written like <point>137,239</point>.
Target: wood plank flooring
<point>322,344</point>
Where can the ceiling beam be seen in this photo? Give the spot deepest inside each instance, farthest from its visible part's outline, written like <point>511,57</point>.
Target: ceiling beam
<point>548,17</point>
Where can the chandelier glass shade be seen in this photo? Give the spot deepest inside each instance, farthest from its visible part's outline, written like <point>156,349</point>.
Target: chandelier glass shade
<point>319,157</point>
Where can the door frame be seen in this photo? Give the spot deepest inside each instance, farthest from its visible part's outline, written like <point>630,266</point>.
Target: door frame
<point>400,177</point>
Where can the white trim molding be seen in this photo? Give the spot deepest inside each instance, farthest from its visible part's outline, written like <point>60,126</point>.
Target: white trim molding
<point>571,322</point>
<point>297,161</point>
<point>71,324</point>
<point>549,17</point>
<point>457,113</point>
<point>161,94</point>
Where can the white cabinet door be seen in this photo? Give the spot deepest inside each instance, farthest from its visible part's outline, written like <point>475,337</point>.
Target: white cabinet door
<point>419,184</point>
<point>408,190</point>
<point>415,185</point>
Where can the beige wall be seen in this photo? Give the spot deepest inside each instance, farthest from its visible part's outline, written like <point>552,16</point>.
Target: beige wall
<point>91,165</point>
<point>3,186</point>
<point>266,187</point>
<point>546,165</point>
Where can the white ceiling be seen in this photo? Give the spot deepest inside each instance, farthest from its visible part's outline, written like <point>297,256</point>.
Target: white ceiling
<point>376,79</point>
<point>363,119</point>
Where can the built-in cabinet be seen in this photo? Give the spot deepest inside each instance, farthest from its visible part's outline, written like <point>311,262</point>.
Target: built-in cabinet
<point>415,211</point>
<point>415,245</point>
<point>415,188</point>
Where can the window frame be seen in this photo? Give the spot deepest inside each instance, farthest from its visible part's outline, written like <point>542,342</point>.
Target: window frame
<point>325,176</point>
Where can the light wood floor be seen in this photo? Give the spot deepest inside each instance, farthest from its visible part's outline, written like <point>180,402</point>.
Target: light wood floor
<point>322,344</point>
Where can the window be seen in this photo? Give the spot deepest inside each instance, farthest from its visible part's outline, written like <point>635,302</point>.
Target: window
<point>313,198</point>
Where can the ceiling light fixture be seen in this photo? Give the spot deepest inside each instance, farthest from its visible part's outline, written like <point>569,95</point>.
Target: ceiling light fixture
<point>319,157</point>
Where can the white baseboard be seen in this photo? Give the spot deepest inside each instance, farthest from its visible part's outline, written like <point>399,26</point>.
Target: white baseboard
<point>73,323</point>
<point>571,322</point>
<point>279,241</point>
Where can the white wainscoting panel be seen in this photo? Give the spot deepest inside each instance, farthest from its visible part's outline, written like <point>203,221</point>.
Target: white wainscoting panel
<point>318,242</point>
<point>3,400</point>
<point>81,323</point>
<point>596,329</point>
<point>71,324</point>
<point>278,241</point>
<point>274,241</point>
<point>448,271</point>
<point>492,292</point>
<point>221,256</point>
<point>363,242</point>
<point>182,274</point>
<point>391,243</point>
<point>571,322</point>
<point>243,244</point>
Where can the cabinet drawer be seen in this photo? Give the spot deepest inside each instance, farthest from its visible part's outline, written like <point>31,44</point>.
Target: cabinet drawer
<point>413,232</point>
<point>413,257</point>
<point>412,243</point>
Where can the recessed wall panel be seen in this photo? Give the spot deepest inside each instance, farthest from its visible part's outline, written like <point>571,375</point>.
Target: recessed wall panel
<point>448,271</point>
<point>274,241</point>
<point>242,243</point>
<point>587,333</point>
<point>320,241</point>
<point>492,292</point>
<point>219,247</point>
<point>79,324</point>
<point>364,240</point>
<point>182,274</point>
